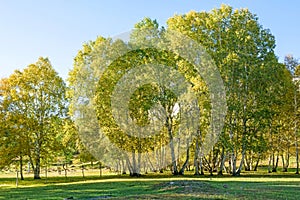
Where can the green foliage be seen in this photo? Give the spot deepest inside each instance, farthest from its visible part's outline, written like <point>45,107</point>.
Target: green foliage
<point>260,94</point>
<point>33,105</point>
<point>255,83</point>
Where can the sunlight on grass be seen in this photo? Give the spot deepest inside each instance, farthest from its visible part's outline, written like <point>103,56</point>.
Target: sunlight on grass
<point>154,186</point>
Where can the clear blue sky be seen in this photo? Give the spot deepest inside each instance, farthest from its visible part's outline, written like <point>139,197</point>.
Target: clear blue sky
<point>58,28</point>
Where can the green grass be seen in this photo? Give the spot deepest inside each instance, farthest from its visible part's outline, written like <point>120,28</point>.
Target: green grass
<point>156,186</point>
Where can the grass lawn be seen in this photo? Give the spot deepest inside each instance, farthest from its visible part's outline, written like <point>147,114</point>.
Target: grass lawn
<point>155,186</point>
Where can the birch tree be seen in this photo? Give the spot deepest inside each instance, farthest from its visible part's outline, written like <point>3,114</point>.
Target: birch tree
<point>36,96</point>
<point>244,53</point>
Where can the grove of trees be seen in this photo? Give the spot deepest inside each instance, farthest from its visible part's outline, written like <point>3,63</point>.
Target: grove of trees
<point>43,118</point>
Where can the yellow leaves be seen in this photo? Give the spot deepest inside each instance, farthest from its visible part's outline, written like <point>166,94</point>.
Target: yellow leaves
<point>232,57</point>
<point>248,38</point>
<point>3,87</point>
<point>32,98</point>
<point>226,9</point>
<point>86,49</point>
<point>99,40</point>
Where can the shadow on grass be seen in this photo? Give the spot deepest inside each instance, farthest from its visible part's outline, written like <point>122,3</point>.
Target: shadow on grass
<point>113,187</point>
<point>119,190</point>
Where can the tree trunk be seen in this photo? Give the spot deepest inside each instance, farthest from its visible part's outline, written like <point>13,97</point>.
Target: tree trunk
<point>117,168</point>
<point>31,163</point>
<point>82,171</point>
<point>37,168</point>
<point>248,161</point>
<point>215,161</point>
<point>243,146</point>
<point>174,164</point>
<point>65,167</point>
<point>17,178</point>
<point>201,165</point>
<point>123,166</point>
<point>100,169</point>
<point>149,161</point>
<point>269,165</point>
<point>158,160</point>
<point>196,167</point>
<point>285,161</point>
<point>163,159</point>
<point>297,155</point>
<point>296,132</point>
<point>275,163</point>
<point>128,164</point>
<point>135,165</point>
<point>233,155</point>
<point>138,170</point>
<point>172,149</point>
<point>257,162</point>
<point>46,172</point>
<point>181,172</point>
<point>37,158</point>
<point>297,158</point>
<point>196,162</point>
<point>208,163</point>
<point>233,164</point>
<point>21,168</point>
<point>242,162</point>
<point>223,158</point>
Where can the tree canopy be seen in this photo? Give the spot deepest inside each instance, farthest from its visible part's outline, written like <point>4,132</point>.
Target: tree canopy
<point>151,100</point>
<point>33,103</point>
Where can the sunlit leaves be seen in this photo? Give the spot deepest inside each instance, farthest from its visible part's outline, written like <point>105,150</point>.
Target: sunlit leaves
<point>33,103</point>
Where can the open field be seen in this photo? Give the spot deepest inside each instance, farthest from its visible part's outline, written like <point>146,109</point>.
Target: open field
<point>155,186</point>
